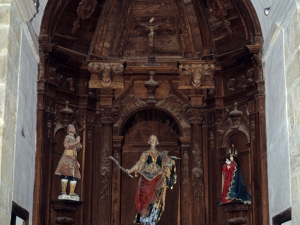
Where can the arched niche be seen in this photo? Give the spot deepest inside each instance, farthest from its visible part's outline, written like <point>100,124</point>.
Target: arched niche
<point>136,131</point>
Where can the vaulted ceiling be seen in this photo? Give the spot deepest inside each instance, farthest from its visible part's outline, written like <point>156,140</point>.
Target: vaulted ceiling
<point>83,30</point>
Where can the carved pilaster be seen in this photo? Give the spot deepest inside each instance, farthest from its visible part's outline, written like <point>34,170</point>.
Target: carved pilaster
<point>186,213</point>
<point>196,116</point>
<point>116,178</point>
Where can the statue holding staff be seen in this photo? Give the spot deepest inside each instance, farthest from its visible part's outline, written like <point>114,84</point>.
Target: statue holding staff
<point>157,172</point>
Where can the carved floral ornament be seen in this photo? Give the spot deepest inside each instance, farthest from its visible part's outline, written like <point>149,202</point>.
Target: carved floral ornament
<point>106,75</point>
<point>196,76</point>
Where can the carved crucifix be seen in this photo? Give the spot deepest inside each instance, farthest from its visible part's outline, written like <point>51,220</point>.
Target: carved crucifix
<point>151,27</point>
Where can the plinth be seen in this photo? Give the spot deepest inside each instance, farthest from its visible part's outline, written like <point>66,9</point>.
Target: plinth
<point>65,210</point>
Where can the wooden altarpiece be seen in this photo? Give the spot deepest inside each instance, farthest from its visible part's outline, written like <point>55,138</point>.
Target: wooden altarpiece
<point>197,124</point>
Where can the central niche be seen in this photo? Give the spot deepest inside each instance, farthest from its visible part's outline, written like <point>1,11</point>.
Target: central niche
<point>136,142</point>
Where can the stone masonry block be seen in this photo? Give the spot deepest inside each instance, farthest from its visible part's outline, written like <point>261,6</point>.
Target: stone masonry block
<point>3,37</point>
<point>3,68</point>
<point>4,14</point>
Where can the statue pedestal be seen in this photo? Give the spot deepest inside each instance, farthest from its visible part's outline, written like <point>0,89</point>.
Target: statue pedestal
<point>151,62</point>
<point>237,213</point>
<point>69,197</point>
<point>65,210</point>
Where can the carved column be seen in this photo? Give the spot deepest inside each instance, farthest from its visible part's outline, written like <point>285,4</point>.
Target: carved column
<point>116,178</point>
<point>196,119</point>
<point>107,113</point>
<point>185,197</point>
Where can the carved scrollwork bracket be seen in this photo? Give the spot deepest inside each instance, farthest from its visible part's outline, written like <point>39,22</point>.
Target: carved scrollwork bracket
<point>107,114</point>
<point>196,115</point>
<point>197,75</point>
<point>106,75</point>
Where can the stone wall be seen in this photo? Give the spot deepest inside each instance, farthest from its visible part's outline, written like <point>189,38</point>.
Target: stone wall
<point>281,71</point>
<point>18,89</point>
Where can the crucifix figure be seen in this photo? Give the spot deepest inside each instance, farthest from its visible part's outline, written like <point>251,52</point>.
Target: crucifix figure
<point>151,27</point>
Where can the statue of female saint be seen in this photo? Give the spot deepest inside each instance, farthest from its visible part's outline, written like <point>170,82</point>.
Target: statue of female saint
<point>157,173</point>
<point>233,185</point>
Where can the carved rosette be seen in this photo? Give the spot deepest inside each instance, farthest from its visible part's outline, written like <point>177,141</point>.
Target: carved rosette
<point>197,76</point>
<point>106,75</point>
<point>107,114</point>
<point>196,115</point>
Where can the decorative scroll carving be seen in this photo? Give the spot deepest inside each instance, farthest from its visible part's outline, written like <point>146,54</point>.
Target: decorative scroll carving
<point>237,213</point>
<point>173,104</point>
<point>196,76</point>
<point>66,114</point>
<point>197,173</point>
<point>129,104</point>
<point>234,120</point>
<point>105,173</point>
<point>116,184</point>
<point>65,210</point>
<point>106,75</point>
<point>211,139</point>
<point>196,115</point>
<point>217,8</point>
<point>235,117</point>
<point>84,11</point>
<point>107,114</point>
<point>185,181</point>
<point>243,81</point>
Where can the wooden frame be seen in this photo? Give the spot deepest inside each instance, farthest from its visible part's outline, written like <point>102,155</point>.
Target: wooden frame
<point>18,211</point>
<point>282,217</point>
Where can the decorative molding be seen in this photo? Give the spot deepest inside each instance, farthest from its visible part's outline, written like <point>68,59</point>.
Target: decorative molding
<point>217,8</point>
<point>174,105</point>
<point>65,210</point>
<point>107,114</point>
<point>197,173</point>
<point>106,75</point>
<point>105,173</point>
<point>197,75</point>
<point>84,11</point>
<point>196,115</point>
<point>232,121</point>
